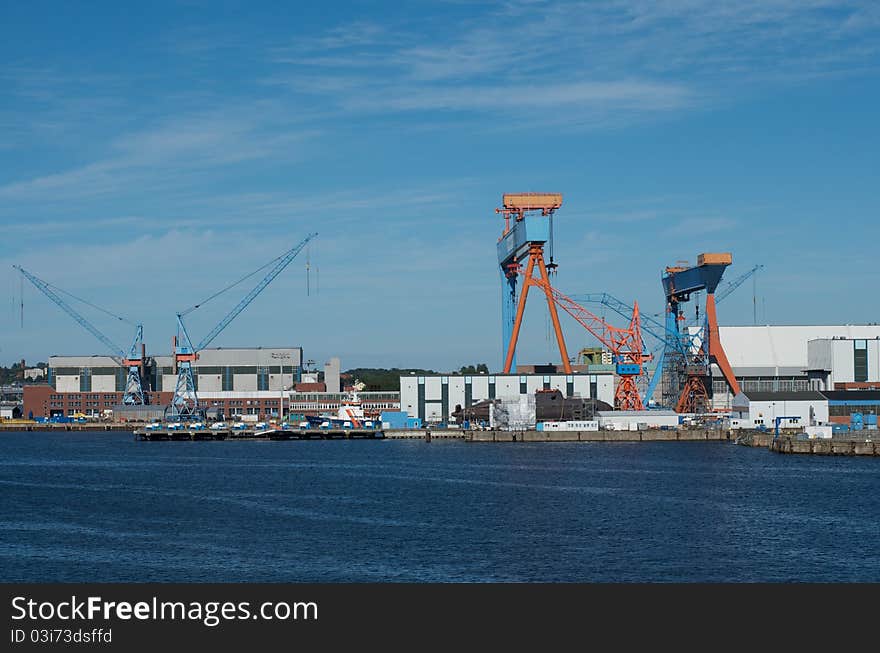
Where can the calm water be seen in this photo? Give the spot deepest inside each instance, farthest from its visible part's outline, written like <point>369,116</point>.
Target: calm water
<point>101,507</point>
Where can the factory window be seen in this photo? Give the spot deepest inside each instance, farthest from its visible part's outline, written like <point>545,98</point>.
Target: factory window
<point>846,410</point>
<point>860,360</point>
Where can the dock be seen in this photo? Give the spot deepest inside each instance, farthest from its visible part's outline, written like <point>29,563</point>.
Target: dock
<point>58,428</point>
<point>193,435</point>
<point>834,447</point>
<point>493,435</point>
<point>845,445</point>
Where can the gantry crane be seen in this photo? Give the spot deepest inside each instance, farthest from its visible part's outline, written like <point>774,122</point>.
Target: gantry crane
<point>626,345</point>
<point>185,403</point>
<point>679,283</point>
<point>528,225</point>
<point>684,341</point>
<point>134,360</point>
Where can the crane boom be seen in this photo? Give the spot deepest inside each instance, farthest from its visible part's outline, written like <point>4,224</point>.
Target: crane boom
<point>736,283</point>
<point>282,263</point>
<point>626,345</point>
<point>185,403</point>
<point>133,394</point>
<point>625,310</point>
<point>46,289</point>
<point>684,342</point>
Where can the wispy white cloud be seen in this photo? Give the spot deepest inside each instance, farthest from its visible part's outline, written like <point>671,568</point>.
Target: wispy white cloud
<point>161,156</point>
<point>593,62</point>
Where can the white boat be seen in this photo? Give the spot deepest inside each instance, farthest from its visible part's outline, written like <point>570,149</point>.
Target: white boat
<point>349,415</point>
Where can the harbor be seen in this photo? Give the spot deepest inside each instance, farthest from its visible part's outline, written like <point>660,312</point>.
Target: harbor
<point>633,378</point>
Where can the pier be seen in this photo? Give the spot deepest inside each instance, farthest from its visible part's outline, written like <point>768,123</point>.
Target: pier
<point>848,445</point>
<point>833,447</point>
<point>155,435</point>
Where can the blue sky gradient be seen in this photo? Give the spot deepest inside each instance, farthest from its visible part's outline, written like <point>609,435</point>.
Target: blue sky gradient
<point>150,154</point>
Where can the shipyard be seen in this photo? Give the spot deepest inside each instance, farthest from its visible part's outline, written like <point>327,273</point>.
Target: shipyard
<point>682,376</point>
<point>345,303</point>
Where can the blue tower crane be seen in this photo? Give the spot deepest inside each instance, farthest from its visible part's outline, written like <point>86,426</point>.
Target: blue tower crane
<point>185,403</point>
<point>134,393</point>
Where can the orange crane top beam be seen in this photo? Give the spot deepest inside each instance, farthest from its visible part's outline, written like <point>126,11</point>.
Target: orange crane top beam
<point>532,201</point>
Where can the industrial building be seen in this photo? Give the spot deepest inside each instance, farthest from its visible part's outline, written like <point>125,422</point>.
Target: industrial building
<point>852,406</point>
<point>793,408</point>
<point>219,369</point>
<point>434,398</point>
<point>633,420</point>
<point>778,358</point>
<point>234,382</point>
<point>844,363</point>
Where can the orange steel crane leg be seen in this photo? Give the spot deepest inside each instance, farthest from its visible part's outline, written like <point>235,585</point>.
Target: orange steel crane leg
<point>551,305</point>
<point>536,255</point>
<point>716,351</point>
<point>517,323</point>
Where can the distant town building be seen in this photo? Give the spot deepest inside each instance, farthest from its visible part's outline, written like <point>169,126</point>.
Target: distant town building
<point>34,373</point>
<point>331,375</point>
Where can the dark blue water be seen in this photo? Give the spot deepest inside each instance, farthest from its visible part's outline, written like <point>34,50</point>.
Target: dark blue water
<point>102,507</point>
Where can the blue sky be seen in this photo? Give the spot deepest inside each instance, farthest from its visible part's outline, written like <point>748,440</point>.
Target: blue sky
<point>150,154</point>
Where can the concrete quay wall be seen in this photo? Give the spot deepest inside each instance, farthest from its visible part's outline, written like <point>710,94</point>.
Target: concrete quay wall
<point>653,435</point>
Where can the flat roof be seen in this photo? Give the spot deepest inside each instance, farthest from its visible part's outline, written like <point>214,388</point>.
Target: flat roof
<point>785,395</point>
<point>852,395</point>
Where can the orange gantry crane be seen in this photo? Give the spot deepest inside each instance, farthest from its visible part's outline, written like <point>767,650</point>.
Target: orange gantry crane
<point>528,226</point>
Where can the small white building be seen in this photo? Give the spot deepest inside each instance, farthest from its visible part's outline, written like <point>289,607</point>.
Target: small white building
<point>633,420</point>
<point>9,410</point>
<point>804,408</point>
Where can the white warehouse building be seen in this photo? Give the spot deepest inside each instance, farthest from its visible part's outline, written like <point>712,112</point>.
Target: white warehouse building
<point>775,358</point>
<point>433,398</point>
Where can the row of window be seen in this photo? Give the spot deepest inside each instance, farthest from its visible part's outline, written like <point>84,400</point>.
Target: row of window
<point>845,411</point>
<point>248,402</point>
<point>377,405</point>
<point>719,386</point>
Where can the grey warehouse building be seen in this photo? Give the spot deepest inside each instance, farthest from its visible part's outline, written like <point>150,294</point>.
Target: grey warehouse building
<point>216,370</point>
